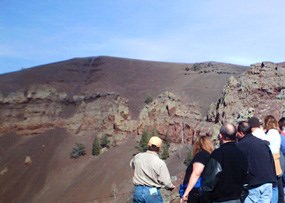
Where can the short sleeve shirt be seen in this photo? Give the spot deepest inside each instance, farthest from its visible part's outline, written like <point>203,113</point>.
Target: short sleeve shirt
<point>201,157</point>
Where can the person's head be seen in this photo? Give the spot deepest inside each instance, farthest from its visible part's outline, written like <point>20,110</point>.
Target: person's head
<point>254,123</point>
<point>154,144</point>
<point>203,143</point>
<point>243,129</point>
<point>270,123</point>
<point>227,132</point>
<point>281,123</point>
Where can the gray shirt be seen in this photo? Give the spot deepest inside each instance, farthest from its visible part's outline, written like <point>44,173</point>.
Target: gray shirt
<point>150,170</point>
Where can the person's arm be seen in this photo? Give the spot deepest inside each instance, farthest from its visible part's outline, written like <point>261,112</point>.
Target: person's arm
<point>164,177</point>
<point>132,164</point>
<point>196,173</point>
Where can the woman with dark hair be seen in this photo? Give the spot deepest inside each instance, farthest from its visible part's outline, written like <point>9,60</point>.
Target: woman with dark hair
<point>271,128</point>
<point>202,149</point>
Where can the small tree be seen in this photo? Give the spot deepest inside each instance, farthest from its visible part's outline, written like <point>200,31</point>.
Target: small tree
<point>148,99</point>
<point>105,142</point>
<point>167,140</point>
<point>78,150</point>
<point>165,153</point>
<point>96,147</point>
<point>188,158</point>
<point>144,140</point>
<point>165,148</point>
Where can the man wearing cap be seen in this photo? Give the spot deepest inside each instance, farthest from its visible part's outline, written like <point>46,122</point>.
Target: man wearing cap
<point>150,174</point>
<point>256,129</point>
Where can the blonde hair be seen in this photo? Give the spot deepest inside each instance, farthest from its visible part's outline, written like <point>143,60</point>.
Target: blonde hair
<point>203,143</point>
<point>270,123</point>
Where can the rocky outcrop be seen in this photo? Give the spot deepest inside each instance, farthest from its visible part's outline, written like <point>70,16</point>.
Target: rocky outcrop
<point>168,115</point>
<point>43,107</point>
<point>260,91</point>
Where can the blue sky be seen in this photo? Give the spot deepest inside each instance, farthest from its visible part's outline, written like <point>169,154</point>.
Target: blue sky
<point>35,32</point>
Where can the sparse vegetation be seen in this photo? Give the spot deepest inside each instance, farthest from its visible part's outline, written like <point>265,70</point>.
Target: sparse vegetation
<point>105,142</point>
<point>188,158</point>
<point>167,140</point>
<point>96,147</point>
<point>146,135</point>
<point>148,99</point>
<point>165,149</point>
<point>77,151</point>
<point>143,141</point>
<point>164,154</point>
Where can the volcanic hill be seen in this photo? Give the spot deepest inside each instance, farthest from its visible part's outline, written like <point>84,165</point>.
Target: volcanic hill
<point>45,110</point>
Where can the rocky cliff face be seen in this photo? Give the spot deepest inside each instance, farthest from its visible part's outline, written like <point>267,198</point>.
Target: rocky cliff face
<point>260,91</point>
<point>42,108</point>
<point>106,95</point>
<point>169,115</point>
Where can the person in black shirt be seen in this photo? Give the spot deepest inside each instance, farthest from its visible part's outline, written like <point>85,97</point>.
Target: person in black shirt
<point>226,172</point>
<point>261,168</point>
<point>201,153</point>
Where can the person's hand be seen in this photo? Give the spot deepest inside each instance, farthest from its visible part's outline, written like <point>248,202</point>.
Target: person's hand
<point>172,188</point>
<point>185,197</point>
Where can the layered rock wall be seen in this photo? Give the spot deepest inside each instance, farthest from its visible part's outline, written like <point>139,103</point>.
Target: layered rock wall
<point>260,91</point>
<point>41,108</point>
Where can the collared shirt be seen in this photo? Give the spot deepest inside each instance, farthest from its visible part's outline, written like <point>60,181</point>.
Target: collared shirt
<point>150,170</point>
<point>259,133</point>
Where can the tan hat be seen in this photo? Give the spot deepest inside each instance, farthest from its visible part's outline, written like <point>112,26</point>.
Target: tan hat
<point>155,141</point>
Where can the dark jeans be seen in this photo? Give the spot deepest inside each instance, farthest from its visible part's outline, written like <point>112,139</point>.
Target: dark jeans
<point>277,192</point>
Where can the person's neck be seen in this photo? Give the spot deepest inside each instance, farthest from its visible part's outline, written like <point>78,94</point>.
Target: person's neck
<point>227,141</point>
<point>152,152</point>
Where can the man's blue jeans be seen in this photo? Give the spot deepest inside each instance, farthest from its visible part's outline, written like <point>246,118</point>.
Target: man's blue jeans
<point>261,194</point>
<point>142,195</point>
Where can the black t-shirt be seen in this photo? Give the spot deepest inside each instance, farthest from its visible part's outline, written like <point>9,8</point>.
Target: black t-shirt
<point>201,157</point>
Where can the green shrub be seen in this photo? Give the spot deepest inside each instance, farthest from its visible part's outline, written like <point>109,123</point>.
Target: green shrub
<point>164,154</point>
<point>105,142</point>
<point>78,150</point>
<point>144,140</point>
<point>96,147</point>
<point>188,158</point>
<point>167,140</point>
<point>148,100</point>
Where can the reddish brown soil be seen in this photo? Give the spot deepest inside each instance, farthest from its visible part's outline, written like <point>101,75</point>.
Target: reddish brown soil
<point>53,176</point>
<point>132,79</point>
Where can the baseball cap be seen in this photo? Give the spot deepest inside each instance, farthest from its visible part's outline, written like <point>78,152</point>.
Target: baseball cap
<point>155,141</point>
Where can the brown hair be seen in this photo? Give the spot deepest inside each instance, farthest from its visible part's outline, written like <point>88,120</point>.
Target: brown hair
<point>270,123</point>
<point>203,143</point>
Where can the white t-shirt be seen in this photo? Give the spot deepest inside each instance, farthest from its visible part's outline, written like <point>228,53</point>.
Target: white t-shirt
<point>275,140</point>
<point>259,133</point>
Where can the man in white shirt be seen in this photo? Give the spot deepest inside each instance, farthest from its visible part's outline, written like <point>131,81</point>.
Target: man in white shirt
<point>256,129</point>
<point>150,174</point>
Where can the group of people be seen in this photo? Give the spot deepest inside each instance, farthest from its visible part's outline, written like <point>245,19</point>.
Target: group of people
<point>248,166</point>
